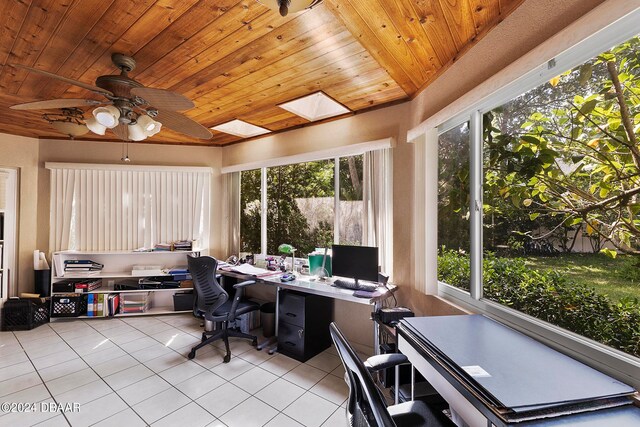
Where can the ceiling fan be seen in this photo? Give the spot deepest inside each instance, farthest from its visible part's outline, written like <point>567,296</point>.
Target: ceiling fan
<point>132,112</point>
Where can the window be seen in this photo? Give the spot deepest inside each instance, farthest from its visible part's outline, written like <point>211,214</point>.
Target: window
<point>351,202</point>
<point>453,206</point>
<point>302,207</point>
<point>560,215</point>
<point>250,211</point>
<point>115,207</point>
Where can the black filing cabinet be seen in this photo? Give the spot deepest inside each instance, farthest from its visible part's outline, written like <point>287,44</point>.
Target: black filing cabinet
<point>303,324</point>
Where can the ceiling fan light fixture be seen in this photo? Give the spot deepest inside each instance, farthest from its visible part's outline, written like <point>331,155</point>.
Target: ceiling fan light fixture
<point>149,126</point>
<point>94,126</point>
<point>72,129</point>
<point>136,132</point>
<point>107,116</point>
<point>285,7</point>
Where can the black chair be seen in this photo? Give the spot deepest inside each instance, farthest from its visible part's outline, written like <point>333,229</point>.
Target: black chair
<point>366,405</point>
<point>212,303</point>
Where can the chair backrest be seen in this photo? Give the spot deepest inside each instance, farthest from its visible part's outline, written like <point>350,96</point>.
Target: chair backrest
<point>366,405</point>
<point>210,295</point>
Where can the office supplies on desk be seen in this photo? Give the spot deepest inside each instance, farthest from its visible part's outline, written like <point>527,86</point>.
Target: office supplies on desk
<point>249,270</point>
<point>320,263</point>
<point>287,277</point>
<point>355,285</point>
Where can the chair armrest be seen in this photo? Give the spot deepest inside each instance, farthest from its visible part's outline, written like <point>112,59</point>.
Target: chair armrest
<point>384,361</point>
<point>244,284</point>
<point>238,296</point>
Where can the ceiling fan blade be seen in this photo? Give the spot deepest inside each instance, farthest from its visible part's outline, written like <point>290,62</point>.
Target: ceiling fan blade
<point>183,124</point>
<point>55,103</point>
<point>121,131</point>
<point>163,99</point>
<point>66,80</point>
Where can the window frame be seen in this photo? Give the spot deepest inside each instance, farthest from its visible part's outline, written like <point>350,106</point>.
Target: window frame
<point>614,362</point>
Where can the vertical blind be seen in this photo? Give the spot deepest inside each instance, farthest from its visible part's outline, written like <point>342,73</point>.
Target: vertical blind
<point>378,205</point>
<point>114,207</point>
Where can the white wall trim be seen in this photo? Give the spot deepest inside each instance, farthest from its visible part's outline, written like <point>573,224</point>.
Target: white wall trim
<point>525,73</point>
<point>328,153</point>
<point>97,166</point>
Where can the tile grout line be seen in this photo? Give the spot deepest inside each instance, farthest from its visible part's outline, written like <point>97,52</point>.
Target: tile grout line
<point>142,363</point>
<point>44,383</point>
<point>190,332</point>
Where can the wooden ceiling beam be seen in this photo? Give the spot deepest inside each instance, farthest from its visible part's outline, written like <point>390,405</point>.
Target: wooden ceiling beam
<point>369,39</point>
<point>260,55</point>
<point>40,23</point>
<point>165,39</point>
<point>225,87</point>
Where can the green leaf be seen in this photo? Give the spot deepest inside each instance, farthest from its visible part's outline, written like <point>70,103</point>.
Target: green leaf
<point>589,106</point>
<point>585,74</point>
<point>575,221</point>
<point>614,123</point>
<point>530,139</point>
<point>609,252</point>
<point>533,216</point>
<point>527,202</point>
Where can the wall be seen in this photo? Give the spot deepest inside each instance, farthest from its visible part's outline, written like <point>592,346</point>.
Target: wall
<point>22,153</point>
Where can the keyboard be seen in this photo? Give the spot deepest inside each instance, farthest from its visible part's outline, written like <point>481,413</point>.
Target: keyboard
<point>351,284</point>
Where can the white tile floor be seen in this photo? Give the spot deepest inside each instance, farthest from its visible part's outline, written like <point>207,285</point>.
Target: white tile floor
<point>134,372</point>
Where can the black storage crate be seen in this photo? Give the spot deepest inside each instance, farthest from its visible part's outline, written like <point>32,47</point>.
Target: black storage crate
<point>24,314</point>
<point>68,305</point>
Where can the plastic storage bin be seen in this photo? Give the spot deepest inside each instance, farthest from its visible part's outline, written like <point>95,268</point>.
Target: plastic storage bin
<point>68,305</point>
<point>24,314</point>
<point>134,302</point>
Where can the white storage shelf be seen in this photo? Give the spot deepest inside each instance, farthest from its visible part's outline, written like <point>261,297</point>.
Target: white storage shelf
<point>119,265</point>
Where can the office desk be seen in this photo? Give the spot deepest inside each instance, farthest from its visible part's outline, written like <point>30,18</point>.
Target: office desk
<point>304,284</point>
<point>491,374</point>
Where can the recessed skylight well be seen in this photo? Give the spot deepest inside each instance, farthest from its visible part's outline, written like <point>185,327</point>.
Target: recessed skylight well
<point>241,128</point>
<point>316,106</point>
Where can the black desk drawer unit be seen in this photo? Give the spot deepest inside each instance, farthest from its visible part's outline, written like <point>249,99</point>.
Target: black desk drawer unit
<point>303,324</point>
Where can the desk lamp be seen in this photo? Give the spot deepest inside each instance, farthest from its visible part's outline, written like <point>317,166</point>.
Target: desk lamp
<point>287,249</point>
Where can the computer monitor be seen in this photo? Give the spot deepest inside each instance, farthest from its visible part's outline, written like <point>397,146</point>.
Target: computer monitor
<point>357,262</point>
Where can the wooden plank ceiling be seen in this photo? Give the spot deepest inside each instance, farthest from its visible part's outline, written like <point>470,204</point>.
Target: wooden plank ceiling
<point>234,59</point>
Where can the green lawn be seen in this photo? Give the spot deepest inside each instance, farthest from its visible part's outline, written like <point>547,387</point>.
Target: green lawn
<point>617,278</point>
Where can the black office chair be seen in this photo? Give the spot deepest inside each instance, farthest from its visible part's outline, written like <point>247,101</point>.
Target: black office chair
<point>213,304</point>
<point>366,406</point>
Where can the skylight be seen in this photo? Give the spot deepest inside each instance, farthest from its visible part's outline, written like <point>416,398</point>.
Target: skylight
<point>240,128</point>
<point>314,107</point>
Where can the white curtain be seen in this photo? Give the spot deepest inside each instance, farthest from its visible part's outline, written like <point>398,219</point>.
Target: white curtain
<point>110,207</point>
<point>377,196</point>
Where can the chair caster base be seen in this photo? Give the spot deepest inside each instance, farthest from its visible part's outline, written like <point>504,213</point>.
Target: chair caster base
<point>226,359</point>
<point>204,337</point>
<point>254,343</point>
<point>191,354</point>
